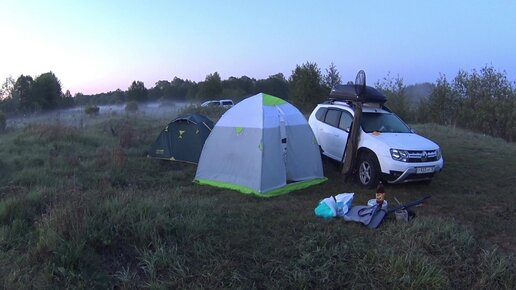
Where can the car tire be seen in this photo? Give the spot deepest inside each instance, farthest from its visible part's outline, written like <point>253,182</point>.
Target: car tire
<point>368,170</point>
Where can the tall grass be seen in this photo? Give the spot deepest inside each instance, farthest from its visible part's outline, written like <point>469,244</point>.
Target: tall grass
<point>85,208</point>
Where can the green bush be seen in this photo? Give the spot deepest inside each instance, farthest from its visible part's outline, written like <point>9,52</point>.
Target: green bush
<point>214,113</point>
<point>91,110</point>
<point>3,122</point>
<point>131,107</point>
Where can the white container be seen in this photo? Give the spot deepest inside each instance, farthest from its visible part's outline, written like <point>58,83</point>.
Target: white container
<point>372,202</point>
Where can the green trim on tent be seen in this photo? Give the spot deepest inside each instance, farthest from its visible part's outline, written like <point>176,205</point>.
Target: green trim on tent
<point>239,130</point>
<point>275,192</point>
<point>269,100</point>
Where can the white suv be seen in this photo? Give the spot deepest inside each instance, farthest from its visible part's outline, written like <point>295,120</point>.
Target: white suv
<point>388,149</point>
<point>218,103</point>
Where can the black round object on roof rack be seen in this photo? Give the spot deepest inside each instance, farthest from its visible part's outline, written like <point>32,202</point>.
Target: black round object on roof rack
<point>360,83</point>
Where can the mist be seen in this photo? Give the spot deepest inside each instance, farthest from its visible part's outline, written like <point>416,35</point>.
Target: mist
<point>76,117</point>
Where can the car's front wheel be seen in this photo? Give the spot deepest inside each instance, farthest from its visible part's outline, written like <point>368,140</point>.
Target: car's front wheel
<point>368,170</point>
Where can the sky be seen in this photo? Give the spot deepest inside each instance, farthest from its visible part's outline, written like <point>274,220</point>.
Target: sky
<point>98,46</point>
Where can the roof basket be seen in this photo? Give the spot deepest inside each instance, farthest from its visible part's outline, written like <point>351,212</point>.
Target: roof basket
<point>348,93</point>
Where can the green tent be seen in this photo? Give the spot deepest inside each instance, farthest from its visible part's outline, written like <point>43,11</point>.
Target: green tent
<point>182,139</point>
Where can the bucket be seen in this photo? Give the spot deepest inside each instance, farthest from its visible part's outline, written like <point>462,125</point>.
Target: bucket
<point>372,202</point>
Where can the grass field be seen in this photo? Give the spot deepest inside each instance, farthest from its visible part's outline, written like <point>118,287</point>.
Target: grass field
<point>84,208</point>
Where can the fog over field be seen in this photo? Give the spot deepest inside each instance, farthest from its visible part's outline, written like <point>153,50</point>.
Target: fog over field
<point>77,117</point>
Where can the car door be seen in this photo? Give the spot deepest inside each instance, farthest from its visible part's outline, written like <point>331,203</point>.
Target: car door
<point>333,134</point>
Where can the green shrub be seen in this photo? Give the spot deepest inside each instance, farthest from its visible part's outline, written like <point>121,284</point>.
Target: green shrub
<point>214,113</point>
<point>91,110</point>
<point>131,107</point>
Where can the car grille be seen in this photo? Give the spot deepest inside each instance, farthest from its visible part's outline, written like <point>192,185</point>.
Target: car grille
<point>422,156</point>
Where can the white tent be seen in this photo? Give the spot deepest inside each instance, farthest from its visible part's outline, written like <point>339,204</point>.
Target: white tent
<point>262,145</point>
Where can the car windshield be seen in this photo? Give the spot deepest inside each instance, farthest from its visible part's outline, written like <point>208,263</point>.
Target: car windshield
<point>383,122</point>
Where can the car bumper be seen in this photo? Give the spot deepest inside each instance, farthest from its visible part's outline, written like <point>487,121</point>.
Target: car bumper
<point>409,172</point>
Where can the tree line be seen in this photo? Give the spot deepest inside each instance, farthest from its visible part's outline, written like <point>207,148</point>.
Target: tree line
<point>29,95</point>
<point>481,100</point>
<point>305,88</point>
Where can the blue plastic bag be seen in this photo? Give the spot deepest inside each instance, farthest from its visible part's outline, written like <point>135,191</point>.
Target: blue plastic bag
<point>326,208</point>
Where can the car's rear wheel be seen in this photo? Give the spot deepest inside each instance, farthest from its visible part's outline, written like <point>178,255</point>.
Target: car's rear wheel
<point>368,170</point>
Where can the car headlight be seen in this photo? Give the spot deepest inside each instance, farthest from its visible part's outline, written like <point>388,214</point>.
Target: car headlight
<point>399,155</point>
<point>438,153</point>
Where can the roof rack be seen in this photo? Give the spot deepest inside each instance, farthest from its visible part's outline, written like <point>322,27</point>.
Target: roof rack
<point>352,104</point>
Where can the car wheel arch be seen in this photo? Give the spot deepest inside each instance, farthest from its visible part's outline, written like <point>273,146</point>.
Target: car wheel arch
<point>365,154</point>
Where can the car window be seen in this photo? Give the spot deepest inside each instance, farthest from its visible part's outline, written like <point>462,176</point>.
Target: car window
<point>383,122</point>
<point>320,114</point>
<point>345,121</point>
<point>213,104</point>
<point>227,103</point>
<point>332,117</point>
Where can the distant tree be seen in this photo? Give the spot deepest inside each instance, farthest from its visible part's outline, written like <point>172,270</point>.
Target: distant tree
<point>442,106</point>
<point>246,84</point>
<point>67,94</point>
<point>482,100</point>
<point>305,86</point>
<point>46,93</point>
<point>394,89</point>
<point>275,85</point>
<point>192,89</point>
<point>91,110</point>
<point>137,92</point>
<point>7,88</point>
<point>232,88</point>
<point>3,122</point>
<point>160,90</point>
<point>7,102</point>
<point>418,91</point>
<point>131,107</point>
<point>179,89</point>
<point>21,93</point>
<point>487,101</point>
<point>332,77</point>
<point>119,96</point>
<point>238,88</point>
<point>511,123</point>
<point>67,100</point>
<point>211,88</point>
